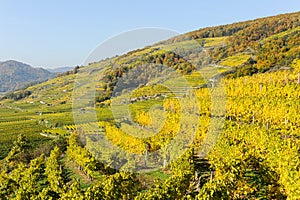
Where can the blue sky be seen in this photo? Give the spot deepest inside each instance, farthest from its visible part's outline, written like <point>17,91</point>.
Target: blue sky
<point>63,33</point>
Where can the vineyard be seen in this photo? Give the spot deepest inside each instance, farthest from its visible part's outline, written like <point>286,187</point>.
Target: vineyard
<point>257,153</point>
<point>223,126</point>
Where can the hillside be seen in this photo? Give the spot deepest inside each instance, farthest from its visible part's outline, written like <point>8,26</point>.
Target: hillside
<point>15,75</point>
<point>221,121</point>
<point>60,69</point>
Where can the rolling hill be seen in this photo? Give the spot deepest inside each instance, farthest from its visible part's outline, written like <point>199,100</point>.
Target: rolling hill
<point>15,75</point>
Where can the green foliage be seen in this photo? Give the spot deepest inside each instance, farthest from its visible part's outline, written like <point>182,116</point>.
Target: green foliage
<point>25,127</point>
<point>17,96</point>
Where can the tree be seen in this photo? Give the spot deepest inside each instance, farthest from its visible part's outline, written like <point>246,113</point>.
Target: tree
<point>76,69</point>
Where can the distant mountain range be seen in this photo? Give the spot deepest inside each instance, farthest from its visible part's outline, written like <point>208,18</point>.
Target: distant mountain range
<point>15,75</point>
<point>60,69</point>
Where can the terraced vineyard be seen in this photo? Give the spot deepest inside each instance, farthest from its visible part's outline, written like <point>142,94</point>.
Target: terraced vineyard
<point>211,114</point>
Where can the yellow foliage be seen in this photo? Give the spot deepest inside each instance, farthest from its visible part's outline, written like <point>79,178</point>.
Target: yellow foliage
<point>143,118</point>
<point>296,64</point>
<point>235,61</point>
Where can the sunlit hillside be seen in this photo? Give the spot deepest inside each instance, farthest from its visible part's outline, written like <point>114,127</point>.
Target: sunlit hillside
<point>210,114</point>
